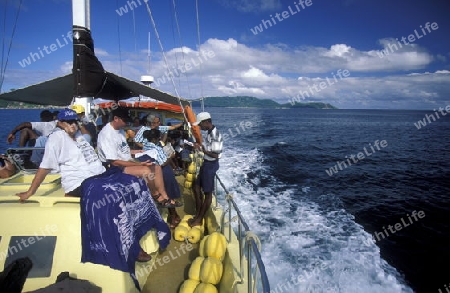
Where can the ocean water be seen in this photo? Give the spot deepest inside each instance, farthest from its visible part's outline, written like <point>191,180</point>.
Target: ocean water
<point>342,200</point>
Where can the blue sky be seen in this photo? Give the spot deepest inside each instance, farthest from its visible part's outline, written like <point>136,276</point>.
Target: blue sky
<point>353,54</point>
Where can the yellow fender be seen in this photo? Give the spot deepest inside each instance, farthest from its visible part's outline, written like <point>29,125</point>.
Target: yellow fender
<point>194,235</point>
<point>211,271</point>
<point>216,246</point>
<point>206,288</point>
<point>201,248</point>
<point>192,169</point>
<point>189,286</point>
<point>194,270</point>
<point>180,233</point>
<point>190,177</point>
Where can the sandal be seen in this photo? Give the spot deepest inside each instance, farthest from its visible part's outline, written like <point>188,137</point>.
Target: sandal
<point>173,222</point>
<point>166,203</point>
<point>143,256</point>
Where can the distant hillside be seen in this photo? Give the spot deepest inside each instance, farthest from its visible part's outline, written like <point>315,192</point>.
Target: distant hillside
<point>236,102</point>
<point>21,105</point>
<point>252,102</point>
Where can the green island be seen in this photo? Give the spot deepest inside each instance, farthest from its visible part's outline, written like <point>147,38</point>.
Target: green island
<point>252,102</point>
<point>230,102</point>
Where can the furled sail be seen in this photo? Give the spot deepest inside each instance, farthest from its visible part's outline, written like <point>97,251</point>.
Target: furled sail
<point>88,79</point>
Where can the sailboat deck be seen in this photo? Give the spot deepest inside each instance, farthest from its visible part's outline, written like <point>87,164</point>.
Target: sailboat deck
<point>167,277</point>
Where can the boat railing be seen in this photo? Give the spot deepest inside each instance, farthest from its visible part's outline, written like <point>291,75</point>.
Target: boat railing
<point>249,246</point>
<point>18,154</point>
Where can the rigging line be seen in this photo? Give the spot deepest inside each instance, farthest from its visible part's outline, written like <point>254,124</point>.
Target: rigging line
<point>3,39</point>
<point>201,67</point>
<point>164,57</point>
<point>118,36</point>
<point>182,47</point>
<point>134,31</point>
<point>175,55</point>
<point>10,45</point>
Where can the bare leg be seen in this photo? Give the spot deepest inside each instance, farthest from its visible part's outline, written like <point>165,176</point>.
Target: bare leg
<point>173,219</point>
<point>152,176</point>
<point>198,199</point>
<point>198,219</point>
<point>27,135</point>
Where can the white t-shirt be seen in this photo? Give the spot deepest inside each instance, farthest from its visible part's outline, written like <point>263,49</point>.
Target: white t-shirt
<point>43,128</point>
<point>76,159</point>
<point>112,145</point>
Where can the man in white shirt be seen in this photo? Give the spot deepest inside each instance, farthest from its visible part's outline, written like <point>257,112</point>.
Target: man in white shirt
<point>30,131</point>
<point>69,152</point>
<point>212,148</point>
<point>114,151</point>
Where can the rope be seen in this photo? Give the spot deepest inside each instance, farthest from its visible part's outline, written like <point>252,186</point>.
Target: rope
<point>118,36</point>
<point>164,57</point>
<point>249,235</point>
<point>198,36</point>
<point>3,69</point>
<point>181,45</point>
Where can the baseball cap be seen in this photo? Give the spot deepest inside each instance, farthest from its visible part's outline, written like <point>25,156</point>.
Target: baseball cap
<point>67,114</point>
<point>78,108</point>
<point>122,113</point>
<point>201,117</point>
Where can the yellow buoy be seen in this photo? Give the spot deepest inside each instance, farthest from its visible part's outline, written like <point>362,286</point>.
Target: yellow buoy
<point>184,224</point>
<point>194,234</point>
<point>201,248</point>
<point>190,177</point>
<point>216,245</point>
<point>194,270</point>
<point>206,288</point>
<point>180,233</point>
<point>211,271</point>
<point>192,168</point>
<point>189,286</point>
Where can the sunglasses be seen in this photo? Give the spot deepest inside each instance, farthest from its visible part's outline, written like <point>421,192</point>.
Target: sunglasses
<point>71,121</point>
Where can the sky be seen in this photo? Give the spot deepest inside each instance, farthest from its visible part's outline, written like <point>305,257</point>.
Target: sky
<point>353,54</point>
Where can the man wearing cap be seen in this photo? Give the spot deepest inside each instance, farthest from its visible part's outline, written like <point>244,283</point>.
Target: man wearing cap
<point>212,148</point>
<point>69,152</point>
<point>114,151</point>
<point>85,122</point>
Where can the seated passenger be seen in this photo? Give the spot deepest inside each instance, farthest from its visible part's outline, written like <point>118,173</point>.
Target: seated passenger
<point>156,152</point>
<point>109,236</point>
<point>30,131</point>
<point>7,168</point>
<point>114,151</point>
<point>154,122</point>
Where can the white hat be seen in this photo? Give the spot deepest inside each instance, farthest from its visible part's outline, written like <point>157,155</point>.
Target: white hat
<point>201,117</point>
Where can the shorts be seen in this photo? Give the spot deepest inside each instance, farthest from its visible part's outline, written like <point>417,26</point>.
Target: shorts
<point>207,174</point>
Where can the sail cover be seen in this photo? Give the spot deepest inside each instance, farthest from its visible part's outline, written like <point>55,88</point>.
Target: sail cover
<point>88,79</point>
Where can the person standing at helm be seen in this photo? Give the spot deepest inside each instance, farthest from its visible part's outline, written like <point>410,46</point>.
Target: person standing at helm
<point>212,148</point>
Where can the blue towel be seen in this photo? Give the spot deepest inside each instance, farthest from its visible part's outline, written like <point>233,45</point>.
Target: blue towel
<point>116,211</point>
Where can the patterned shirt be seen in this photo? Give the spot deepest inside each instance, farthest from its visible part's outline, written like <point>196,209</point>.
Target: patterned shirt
<point>154,151</point>
<point>213,143</point>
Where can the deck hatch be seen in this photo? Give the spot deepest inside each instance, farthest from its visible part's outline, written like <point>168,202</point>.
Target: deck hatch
<point>39,249</point>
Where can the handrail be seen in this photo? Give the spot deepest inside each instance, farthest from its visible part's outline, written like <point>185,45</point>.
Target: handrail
<point>251,242</point>
<point>15,157</point>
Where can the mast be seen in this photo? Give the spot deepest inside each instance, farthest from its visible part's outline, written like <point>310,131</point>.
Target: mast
<point>81,14</point>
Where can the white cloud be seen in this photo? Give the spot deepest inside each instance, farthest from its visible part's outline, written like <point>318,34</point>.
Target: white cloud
<point>276,71</point>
